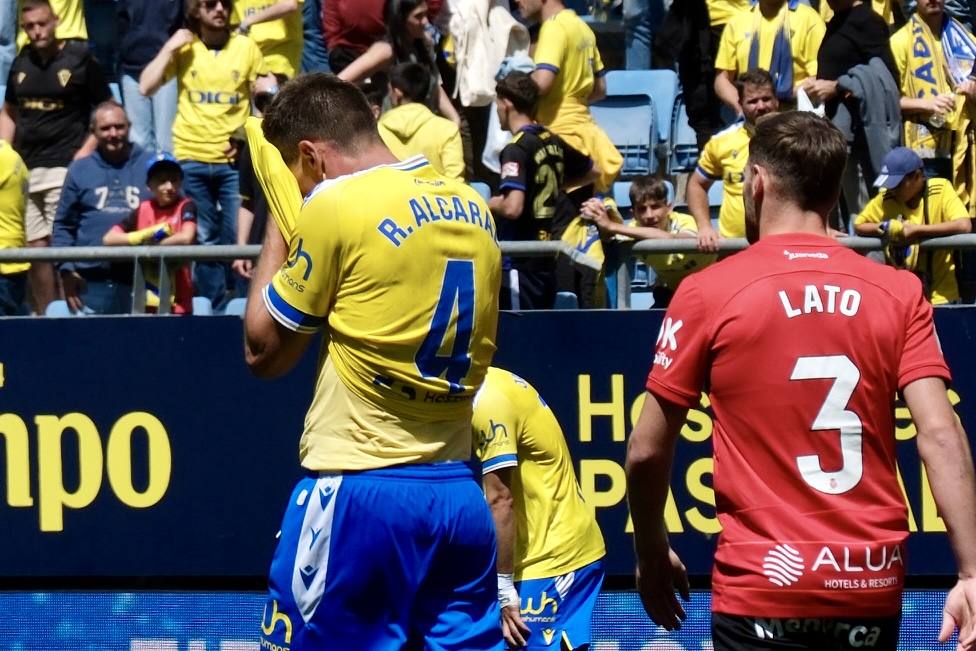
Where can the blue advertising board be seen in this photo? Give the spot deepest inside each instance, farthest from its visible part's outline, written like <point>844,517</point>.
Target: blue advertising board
<point>142,447</point>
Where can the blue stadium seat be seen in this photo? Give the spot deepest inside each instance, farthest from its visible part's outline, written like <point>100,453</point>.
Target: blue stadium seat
<point>482,189</point>
<point>566,301</point>
<point>684,142</point>
<point>60,309</point>
<point>235,307</point>
<point>637,115</point>
<point>202,306</point>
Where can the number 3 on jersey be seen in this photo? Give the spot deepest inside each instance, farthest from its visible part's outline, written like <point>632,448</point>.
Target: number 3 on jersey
<point>457,288</point>
<point>833,415</point>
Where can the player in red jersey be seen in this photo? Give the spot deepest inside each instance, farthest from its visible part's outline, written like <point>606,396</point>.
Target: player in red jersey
<point>802,345</point>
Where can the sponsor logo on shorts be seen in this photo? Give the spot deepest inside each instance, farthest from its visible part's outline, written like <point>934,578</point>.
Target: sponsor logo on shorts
<point>856,635</point>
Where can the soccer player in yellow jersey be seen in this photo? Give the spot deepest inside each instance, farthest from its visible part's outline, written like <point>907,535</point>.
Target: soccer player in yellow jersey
<point>570,76</point>
<point>781,36</point>
<point>911,208</point>
<point>724,159</point>
<point>654,219</point>
<point>215,71</point>
<point>388,542</point>
<point>276,27</point>
<point>14,179</point>
<point>549,544</point>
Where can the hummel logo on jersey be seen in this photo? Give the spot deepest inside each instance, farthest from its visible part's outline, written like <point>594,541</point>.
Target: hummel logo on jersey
<point>783,565</point>
<point>819,255</point>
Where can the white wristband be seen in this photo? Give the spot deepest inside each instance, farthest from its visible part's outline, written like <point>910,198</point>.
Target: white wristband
<point>507,594</point>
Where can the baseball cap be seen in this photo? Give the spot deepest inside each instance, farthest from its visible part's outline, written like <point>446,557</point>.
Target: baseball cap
<point>897,164</point>
<point>161,160</point>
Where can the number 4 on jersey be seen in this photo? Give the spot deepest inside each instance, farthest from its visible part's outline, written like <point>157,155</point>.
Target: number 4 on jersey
<point>457,289</point>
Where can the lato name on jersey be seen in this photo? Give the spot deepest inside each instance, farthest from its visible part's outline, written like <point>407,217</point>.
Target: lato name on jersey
<point>822,299</point>
<point>452,208</point>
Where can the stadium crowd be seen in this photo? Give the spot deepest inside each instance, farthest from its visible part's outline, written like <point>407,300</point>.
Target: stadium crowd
<point>177,79</point>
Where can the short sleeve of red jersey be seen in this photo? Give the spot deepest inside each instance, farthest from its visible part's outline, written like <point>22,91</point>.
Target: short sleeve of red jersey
<point>682,350</point>
<point>921,356</point>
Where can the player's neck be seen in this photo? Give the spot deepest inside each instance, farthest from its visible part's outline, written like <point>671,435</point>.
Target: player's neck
<point>550,9</point>
<point>342,164</point>
<point>517,121</point>
<point>780,218</point>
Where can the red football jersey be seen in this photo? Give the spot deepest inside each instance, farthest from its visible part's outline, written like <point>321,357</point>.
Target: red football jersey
<point>801,345</point>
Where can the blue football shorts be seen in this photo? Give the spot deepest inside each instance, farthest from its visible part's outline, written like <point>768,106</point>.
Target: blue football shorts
<point>558,609</point>
<point>396,558</point>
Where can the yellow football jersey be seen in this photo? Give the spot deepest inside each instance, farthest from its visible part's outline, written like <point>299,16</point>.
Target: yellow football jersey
<point>672,268</point>
<point>806,32</point>
<point>556,532</point>
<point>404,267</point>
<point>721,12</point>
<point>214,95</point>
<point>13,205</point>
<point>944,205</point>
<point>280,40</point>
<point>71,21</point>
<point>567,47</point>
<point>723,158</point>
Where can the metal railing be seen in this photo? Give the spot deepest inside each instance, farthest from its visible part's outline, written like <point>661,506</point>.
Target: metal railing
<point>170,256</point>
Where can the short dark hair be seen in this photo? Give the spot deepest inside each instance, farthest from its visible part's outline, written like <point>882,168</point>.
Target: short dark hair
<point>756,77</point>
<point>805,153</point>
<point>36,4</point>
<point>411,79</point>
<point>520,89</point>
<point>319,106</point>
<point>647,188</point>
<point>375,93</point>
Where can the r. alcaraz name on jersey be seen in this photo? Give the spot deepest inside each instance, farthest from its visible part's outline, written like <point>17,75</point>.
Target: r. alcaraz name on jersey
<point>803,345</point>
<point>404,267</point>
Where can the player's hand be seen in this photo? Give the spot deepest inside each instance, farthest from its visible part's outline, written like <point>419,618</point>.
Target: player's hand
<point>513,628</point>
<point>243,268</point>
<point>657,579</point>
<point>943,104</point>
<point>74,287</point>
<point>180,38</point>
<point>594,211</point>
<point>707,239</point>
<point>959,610</point>
<point>820,90</point>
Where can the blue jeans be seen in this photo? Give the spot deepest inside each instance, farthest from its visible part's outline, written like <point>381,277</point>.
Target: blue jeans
<point>315,58</point>
<point>107,297</point>
<point>13,290</point>
<point>641,18</point>
<point>151,117</point>
<point>216,190</point>
<point>8,38</point>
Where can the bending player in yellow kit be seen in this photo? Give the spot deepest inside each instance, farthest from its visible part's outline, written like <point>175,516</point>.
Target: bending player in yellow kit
<point>549,544</point>
<point>388,542</point>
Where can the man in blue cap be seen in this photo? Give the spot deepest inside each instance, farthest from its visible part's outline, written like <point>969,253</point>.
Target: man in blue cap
<point>911,208</point>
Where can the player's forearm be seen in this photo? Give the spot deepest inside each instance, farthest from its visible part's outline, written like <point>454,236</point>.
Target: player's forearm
<point>868,229</point>
<point>152,75</point>
<point>726,91</point>
<point>641,232</point>
<point>263,345</point>
<point>7,125</point>
<point>953,227</point>
<point>184,237</point>
<point>697,192</point>
<point>949,464</point>
<point>503,513</point>
<point>245,219</point>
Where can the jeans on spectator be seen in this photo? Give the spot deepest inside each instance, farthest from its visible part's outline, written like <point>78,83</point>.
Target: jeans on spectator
<point>13,291</point>
<point>641,17</point>
<point>315,58</point>
<point>107,297</point>
<point>8,38</point>
<point>216,190</point>
<point>151,117</point>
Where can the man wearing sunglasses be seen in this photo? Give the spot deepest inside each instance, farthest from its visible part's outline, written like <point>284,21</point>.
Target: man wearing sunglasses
<point>215,71</point>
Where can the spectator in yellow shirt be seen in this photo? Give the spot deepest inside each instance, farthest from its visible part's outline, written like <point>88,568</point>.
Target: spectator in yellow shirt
<point>411,129</point>
<point>909,209</point>
<point>781,36</point>
<point>276,27</point>
<point>14,178</point>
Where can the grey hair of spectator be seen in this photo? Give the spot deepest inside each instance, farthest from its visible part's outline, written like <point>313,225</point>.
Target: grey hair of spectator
<point>806,155</point>
<point>104,106</point>
<point>321,107</point>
